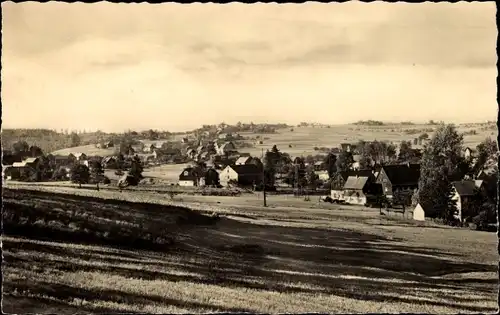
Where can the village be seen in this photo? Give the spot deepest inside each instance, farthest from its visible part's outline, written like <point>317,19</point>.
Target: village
<point>366,173</point>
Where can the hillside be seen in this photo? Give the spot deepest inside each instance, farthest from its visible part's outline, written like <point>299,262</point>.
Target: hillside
<point>304,139</point>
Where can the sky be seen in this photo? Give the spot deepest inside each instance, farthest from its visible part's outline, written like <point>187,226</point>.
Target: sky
<point>175,67</point>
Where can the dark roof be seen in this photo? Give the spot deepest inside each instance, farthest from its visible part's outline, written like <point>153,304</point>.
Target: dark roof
<point>465,187</point>
<point>187,174</point>
<point>356,182</point>
<point>247,169</point>
<point>360,173</point>
<point>403,174</point>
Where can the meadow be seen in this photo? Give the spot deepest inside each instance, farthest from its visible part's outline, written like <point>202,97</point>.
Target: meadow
<point>67,250</point>
<point>304,139</point>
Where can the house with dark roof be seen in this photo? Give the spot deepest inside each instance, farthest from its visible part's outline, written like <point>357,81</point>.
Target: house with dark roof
<point>464,193</point>
<point>244,160</point>
<point>357,188</point>
<point>243,175</point>
<point>346,147</point>
<point>188,177</point>
<point>402,177</point>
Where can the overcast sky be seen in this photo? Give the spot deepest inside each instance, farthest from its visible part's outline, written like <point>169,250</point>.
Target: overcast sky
<point>174,67</point>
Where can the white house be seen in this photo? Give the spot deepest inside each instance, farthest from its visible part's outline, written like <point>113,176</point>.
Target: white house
<point>242,174</point>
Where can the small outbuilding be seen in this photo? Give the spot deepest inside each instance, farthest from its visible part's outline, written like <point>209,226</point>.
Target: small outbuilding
<point>419,213</point>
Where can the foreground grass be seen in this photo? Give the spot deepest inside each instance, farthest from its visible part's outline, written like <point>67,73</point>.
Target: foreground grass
<point>349,264</point>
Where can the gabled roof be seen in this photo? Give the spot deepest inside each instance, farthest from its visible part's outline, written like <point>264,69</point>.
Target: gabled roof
<point>242,159</point>
<point>356,182</point>
<point>225,144</point>
<point>319,163</point>
<point>465,187</point>
<point>31,160</point>
<point>187,174</point>
<point>19,164</point>
<point>403,174</point>
<point>248,169</point>
<point>360,173</point>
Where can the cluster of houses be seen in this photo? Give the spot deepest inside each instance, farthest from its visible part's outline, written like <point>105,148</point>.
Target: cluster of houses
<point>29,166</point>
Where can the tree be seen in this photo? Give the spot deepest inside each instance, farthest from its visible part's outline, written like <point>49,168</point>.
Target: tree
<point>344,161</point>
<point>212,178</point>
<point>440,166</point>
<point>406,153</point>
<point>312,178</point>
<point>80,174</point>
<point>487,151</point>
<point>35,151</point>
<point>331,164</point>
<point>75,139</point>
<point>136,169</point>
<point>97,172</point>
<point>20,147</point>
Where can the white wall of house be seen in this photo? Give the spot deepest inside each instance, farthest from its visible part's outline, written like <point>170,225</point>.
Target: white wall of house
<point>337,194</point>
<point>226,175</point>
<point>186,183</point>
<point>456,197</point>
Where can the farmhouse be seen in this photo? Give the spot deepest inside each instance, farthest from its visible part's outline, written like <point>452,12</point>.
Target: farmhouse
<point>403,177</point>
<point>244,175</point>
<point>226,148</point>
<point>357,188</point>
<point>20,170</point>
<point>188,177</point>
<point>244,160</point>
<point>463,193</point>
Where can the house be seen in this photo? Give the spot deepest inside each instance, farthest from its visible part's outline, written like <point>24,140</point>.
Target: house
<point>345,147</point>
<point>319,166</point>
<point>80,156</point>
<point>108,144</point>
<point>357,188</point>
<point>203,156</point>
<point>7,172</point>
<point>356,158</point>
<point>463,193</point>
<point>469,153</point>
<point>184,140</point>
<point>188,177</point>
<point>64,160</point>
<point>419,213</point>
<point>32,162</point>
<point>244,160</point>
<point>244,175</point>
<point>226,148</point>
<point>191,153</point>
<point>323,175</point>
<point>21,170</point>
<point>110,162</point>
<point>149,148</point>
<point>401,177</point>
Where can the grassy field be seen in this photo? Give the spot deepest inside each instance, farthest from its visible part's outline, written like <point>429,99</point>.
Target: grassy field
<point>89,150</point>
<point>71,250</point>
<point>304,139</point>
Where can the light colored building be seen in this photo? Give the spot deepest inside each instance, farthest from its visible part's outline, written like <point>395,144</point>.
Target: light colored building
<point>419,213</point>
<point>188,177</point>
<point>244,175</point>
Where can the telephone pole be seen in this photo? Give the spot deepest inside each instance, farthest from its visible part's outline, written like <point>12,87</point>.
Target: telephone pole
<point>263,180</point>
